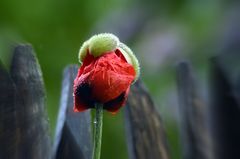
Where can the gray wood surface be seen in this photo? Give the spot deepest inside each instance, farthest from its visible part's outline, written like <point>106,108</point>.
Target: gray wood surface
<point>73,131</point>
<point>24,129</point>
<point>145,134</point>
<point>195,139</point>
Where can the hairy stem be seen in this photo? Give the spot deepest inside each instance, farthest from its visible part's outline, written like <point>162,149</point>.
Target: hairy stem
<point>97,132</point>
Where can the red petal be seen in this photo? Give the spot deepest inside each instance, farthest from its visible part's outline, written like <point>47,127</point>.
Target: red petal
<point>81,89</point>
<point>114,105</point>
<point>78,105</point>
<point>111,77</point>
<point>82,100</point>
<point>119,54</point>
<point>89,59</point>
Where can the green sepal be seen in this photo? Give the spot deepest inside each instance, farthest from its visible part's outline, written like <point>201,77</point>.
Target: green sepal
<point>83,51</point>
<point>102,43</point>
<point>134,60</point>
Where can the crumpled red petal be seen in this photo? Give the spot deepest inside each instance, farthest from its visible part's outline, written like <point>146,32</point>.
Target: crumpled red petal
<point>81,88</point>
<point>105,79</point>
<point>111,77</point>
<point>114,105</point>
<point>82,100</point>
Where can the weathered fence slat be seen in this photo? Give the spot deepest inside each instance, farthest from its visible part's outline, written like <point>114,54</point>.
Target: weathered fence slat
<point>23,121</point>
<point>224,108</point>
<point>7,116</point>
<point>145,134</point>
<point>194,135</point>
<point>73,132</point>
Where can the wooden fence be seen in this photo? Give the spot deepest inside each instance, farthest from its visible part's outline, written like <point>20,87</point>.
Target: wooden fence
<point>209,129</point>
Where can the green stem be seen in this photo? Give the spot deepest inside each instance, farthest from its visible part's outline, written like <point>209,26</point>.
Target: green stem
<point>97,132</point>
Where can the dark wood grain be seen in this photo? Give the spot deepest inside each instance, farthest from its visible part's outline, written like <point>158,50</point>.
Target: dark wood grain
<point>73,131</point>
<point>23,121</point>
<point>145,134</point>
<point>194,135</point>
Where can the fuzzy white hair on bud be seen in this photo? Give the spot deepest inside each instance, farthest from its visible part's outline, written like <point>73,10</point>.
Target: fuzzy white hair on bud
<point>83,51</point>
<point>102,43</point>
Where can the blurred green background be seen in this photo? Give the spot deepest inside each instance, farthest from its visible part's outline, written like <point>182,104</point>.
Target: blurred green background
<point>159,32</point>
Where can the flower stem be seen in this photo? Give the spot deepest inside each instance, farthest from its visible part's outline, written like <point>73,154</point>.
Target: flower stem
<point>97,132</point>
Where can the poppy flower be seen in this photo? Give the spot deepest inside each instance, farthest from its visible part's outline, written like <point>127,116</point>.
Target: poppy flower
<point>108,68</point>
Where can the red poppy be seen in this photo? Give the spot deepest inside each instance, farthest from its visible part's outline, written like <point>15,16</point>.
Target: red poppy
<point>105,79</point>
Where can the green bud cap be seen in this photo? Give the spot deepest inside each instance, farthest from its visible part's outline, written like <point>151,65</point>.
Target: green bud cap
<point>83,51</point>
<point>102,43</point>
